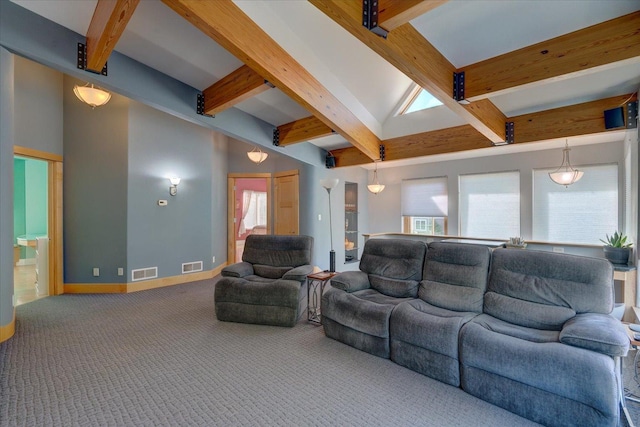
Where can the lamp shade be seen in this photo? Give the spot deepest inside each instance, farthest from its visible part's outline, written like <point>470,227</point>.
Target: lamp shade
<point>566,174</point>
<point>93,96</point>
<point>257,156</point>
<point>375,188</point>
<point>174,181</point>
<point>329,183</point>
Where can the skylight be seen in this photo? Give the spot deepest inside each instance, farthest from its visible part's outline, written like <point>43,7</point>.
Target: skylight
<point>421,101</point>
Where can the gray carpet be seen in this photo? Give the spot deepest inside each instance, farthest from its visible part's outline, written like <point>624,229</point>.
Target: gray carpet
<point>160,357</point>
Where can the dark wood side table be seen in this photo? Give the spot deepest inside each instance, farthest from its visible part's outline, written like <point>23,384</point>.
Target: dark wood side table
<point>315,287</point>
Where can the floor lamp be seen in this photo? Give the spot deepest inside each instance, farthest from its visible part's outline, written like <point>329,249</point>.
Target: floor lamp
<point>330,184</point>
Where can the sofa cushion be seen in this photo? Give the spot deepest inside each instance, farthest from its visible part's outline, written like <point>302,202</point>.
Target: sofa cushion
<point>366,311</point>
<point>505,328</point>
<point>394,258</point>
<point>597,332</point>
<point>394,287</point>
<point>526,313</point>
<point>351,281</point>
<point>283,293</point>
<point>270,272</point>
<point>580,284</point>
<point>278,250</point>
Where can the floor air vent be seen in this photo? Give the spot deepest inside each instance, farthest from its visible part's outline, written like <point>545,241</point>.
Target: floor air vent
<point>144,273</point>
<point>191,267</point>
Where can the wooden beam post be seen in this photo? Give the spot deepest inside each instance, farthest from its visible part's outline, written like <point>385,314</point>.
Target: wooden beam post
<point>232,89</point>
<point>231,28</point>
<point>407,50</point>
<point>394,13</point>
<point>302,130</point>
<point>109,20</point>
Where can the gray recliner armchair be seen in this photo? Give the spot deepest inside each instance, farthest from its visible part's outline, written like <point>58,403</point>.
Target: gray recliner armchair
<point>269,286</point>
<point>357,307</point>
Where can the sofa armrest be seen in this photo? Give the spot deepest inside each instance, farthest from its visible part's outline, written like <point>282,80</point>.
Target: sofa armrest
<point>597,332</point>
<point>351,281</point>
<point>298,273</point>
<point>239,269</point>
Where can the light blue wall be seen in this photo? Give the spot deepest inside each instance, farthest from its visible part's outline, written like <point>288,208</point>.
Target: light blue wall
<point>36,189</point>
<point>95,188</point>
<point>6,185</point>
<point>161,146</point>
<point>39,124</point>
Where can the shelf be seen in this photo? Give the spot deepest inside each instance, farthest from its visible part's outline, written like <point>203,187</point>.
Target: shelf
<point>351,221</point>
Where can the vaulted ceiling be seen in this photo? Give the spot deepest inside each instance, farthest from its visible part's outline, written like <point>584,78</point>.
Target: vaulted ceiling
<point>547,70</point>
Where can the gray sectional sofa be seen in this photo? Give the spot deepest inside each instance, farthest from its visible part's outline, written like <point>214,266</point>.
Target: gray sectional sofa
<point>527,331</point>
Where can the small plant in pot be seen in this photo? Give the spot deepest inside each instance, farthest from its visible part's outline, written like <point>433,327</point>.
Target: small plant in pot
<point>617,248</point>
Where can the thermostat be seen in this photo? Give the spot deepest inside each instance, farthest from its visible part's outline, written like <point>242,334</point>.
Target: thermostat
<point>162,203</point>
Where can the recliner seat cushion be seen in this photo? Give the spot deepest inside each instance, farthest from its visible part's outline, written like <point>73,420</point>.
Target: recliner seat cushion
<point>278,250</point>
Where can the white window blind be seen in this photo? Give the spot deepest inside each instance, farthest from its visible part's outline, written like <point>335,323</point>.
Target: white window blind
<point>424,197</point>
<point>580,213</point>
<point>490,205</point>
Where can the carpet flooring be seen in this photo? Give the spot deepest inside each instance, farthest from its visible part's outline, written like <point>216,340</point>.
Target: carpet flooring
<point>161,358</point>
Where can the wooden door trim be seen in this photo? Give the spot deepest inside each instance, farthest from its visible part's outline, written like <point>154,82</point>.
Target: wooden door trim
<point>286,173</point>
<point>54,214</point>
<point>231,206</point>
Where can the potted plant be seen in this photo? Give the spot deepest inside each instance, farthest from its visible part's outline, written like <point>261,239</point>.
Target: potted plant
<point>617,249</point>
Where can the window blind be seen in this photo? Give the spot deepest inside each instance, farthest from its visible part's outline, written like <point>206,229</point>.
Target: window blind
<point>425,197</point>
<point>580,213</point>
<point>490,205</point>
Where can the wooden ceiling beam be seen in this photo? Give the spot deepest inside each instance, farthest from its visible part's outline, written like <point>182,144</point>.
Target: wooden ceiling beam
<point>302,130</point>
<point>232,89</point>
<point>394,13</point>
<point>564,122</point>
<point>586,50</point>
<point>231,28</point>
<point>407,50</point>
<point>109,20</point>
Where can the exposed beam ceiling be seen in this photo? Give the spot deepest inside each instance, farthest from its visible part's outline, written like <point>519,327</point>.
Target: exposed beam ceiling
<point>564,122</point>
<point>574,120</point>
<point>406,49</point>
<point>239,85</point>
<point>302,130</point>
<point>109,20</point>
<point>221,20</point>
<point>562,57</point>
<point>394,13</point>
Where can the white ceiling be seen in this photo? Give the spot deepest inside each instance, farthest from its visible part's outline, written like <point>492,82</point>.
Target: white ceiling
<point>464,31</point>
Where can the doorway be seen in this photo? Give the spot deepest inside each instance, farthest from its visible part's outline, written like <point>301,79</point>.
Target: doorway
<point>249,210</point>
<point>37,225</point>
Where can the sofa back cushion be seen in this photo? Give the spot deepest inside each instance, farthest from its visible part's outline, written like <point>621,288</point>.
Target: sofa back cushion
<point>543,290</point>
<point>455,276</point>
<point>278,251</point>
<point>394,266</point>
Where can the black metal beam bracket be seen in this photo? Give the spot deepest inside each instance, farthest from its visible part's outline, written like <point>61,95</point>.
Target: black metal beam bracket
<point>632,115</point>
<point>370,18</point>
<point>276,137</point>
<point>381,149</point>
<point>82,60</point>
<point>200,106</point>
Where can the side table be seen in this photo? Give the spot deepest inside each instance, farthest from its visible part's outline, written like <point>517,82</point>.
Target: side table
<point>315,287</point>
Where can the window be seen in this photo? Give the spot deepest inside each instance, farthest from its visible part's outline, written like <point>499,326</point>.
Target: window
<point>417,100</point>
<point>580,213</point>
<point>490,205</point>
<point>424,206</point>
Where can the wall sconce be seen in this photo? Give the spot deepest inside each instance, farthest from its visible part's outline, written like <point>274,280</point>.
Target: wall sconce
<point>257,156</point>
<point>93,96</point>
<point>173,188</point>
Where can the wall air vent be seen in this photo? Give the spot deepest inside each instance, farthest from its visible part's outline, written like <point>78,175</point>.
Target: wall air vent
<point>191,267</point>
<point>144,274</point>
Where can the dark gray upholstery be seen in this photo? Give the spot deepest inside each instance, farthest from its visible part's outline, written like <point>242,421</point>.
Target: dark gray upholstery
<point>530,354</point>
<point>424,332</point>
<point>357,307</point>
<point>269,285</point>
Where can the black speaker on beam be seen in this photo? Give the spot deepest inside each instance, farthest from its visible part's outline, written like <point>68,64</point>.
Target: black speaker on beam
<point>614,118</point>
<point>330,161</point>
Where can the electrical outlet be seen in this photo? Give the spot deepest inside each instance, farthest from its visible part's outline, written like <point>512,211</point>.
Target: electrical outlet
<point>96,271</point>
<point>120,271</point>
<point>558,249</point>
<point>213,260</point>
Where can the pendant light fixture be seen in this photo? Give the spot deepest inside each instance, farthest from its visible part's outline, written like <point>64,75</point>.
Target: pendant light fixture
<point>257,156</point>
<point>93,96</point>
<point>566,174</point>
<point>375,187</point>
